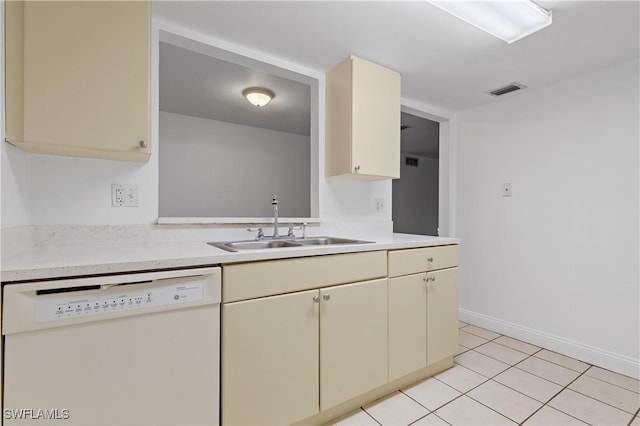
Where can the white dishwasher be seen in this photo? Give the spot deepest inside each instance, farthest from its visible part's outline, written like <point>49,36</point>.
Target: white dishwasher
<point>129,349</point>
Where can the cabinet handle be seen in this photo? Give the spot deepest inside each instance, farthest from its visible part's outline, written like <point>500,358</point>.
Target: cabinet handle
<point>430,259</point>
<point>356,168</point>
<point>316,299</point>
<point>143,144</point>
<point>326,297</point>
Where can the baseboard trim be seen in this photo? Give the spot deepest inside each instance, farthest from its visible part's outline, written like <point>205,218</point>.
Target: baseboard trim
<point>600,357</point>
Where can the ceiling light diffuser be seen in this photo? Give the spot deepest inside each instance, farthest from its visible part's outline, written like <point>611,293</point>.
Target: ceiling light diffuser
<point>258,96</point>
<point>508,20</point>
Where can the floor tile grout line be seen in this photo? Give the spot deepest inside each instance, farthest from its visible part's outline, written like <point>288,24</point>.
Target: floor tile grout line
<point>568,368</point>
<point>532,355</point>
<point>439,407</point>
<point>434,411</point>
<point>635,416</point>
<point>609,383</point>
<point>371,415</point>
<point>558,393</point>
<point>540,349</point>
<point>520,392</point>
<point>504,362</point>
<point>475,387</point>
<point>604,402</point>
<point>477,335</point>
<point>506,346</point>
<point>492,378</point>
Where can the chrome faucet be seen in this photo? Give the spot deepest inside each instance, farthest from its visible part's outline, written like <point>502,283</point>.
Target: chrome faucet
<point>274,203</point>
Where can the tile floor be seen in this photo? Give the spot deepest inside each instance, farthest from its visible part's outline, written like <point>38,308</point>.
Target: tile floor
<point>497,380</point>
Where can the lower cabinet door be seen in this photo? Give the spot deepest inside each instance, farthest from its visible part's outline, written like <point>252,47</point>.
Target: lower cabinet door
<point>407,325</point>
<point>442,314</point>
<point>270,359</point>
<point>353,340</point>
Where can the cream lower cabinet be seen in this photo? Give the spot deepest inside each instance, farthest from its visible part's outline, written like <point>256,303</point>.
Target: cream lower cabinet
<point>270,358</point>
<point>287,357</point>
<point>407,325</point>
<point>353,341</point>
<point>423,308</point>
<point>442,314</point>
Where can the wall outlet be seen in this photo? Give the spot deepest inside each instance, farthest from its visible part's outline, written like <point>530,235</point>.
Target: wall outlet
<point>507,190</point>
<point>123,195</point>
<point>379,203</point>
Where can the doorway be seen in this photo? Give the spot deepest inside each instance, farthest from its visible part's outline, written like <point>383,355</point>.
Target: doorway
<point>415,195</point>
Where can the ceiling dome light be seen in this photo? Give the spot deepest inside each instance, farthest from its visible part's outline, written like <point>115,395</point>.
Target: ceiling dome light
<point>258,96</point>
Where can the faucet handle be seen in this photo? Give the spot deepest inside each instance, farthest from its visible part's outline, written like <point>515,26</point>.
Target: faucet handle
<point>302,226</point>
<point>274,199</point>
<point>291,229</point>
<point>260,232</point>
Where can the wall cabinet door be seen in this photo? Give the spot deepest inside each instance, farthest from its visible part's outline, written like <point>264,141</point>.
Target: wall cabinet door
<point>270,359</point>
<point>353,340</point>
<point>442,314</point>
<point>78,78</point>
<point>407,325</point>
<point>363,121</point>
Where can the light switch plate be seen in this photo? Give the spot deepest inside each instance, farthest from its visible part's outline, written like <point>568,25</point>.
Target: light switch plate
<point>507,190</point>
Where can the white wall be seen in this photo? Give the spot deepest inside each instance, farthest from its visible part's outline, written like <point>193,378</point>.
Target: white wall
<point>212,168</point>
<point>558,263</point>
<point>64,190</point>
<point>415,197</point>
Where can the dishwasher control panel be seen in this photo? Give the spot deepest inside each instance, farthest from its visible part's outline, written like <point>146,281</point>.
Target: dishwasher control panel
<point>114,299</point>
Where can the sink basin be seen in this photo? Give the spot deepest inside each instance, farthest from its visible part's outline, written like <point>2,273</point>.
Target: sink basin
<point>254,245</point>
<point>294,242</point>
<point>327,241</point>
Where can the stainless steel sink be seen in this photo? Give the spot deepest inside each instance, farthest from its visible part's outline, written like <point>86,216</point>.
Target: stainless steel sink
<point>327,241</point>
<point>293,242</point>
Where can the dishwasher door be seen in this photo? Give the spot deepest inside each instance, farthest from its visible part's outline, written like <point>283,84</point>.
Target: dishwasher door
<point>131,349</point>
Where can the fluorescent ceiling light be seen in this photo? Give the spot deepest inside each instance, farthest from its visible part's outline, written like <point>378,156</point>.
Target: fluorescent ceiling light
<point>509,20</point>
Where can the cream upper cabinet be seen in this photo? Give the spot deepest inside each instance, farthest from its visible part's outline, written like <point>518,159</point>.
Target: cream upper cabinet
<point>78,78</point>
<point>362,121</point>
<point>353,340</point>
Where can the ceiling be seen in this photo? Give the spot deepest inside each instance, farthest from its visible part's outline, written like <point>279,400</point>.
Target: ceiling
<point>204,86</point>
<point>445,62</point>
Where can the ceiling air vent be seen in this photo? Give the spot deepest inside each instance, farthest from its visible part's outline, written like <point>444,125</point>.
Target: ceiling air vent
<point>411,161</point>
<point>511,87</point>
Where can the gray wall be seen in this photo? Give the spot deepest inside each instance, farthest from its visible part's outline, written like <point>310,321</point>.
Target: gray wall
<point>415,197</point>
<point>215,169</point>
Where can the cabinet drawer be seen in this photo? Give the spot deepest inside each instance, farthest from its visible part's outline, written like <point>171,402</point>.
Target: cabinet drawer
<point>412,261</point>
<point>258,279</point>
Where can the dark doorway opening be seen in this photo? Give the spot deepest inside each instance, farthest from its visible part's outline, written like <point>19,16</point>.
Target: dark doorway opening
<point>415,194</point>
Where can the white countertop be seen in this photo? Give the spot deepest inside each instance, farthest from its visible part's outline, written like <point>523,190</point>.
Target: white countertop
<point>57,262</point>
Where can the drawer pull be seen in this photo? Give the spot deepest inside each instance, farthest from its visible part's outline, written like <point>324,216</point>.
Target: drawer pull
<point>316,299</point>
<point>326,297</point>
<point>429,279</point>
<point>430,259</point>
